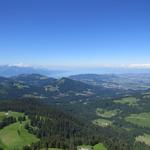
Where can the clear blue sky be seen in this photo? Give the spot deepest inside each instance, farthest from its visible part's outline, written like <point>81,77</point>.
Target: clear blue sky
<point>75,32</point>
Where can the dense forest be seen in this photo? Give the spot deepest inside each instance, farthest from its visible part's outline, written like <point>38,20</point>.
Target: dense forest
<point>57,129</point>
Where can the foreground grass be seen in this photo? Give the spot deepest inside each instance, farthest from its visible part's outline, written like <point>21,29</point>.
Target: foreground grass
<point>130,101</point>
<point>102,122</point>
<point>15,136</point>
<point>144,139</point>
<point>142,119</point>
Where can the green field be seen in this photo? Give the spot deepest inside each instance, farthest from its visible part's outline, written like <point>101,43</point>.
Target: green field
<point>2,115</point>
<point>10,114</point>
<point>142,119</point>
<point>89,147</point>
<point>15,136</point>
<point>33,96</point>
<point>107,113</point>
<point>86,147</point>
<point>146,96</point>
<point>99,147</point>
<point>130,101</point>
<point>144,139</point>
<point>20,85</point>
<point>52,149</point>
<point>102,122</point>
<point>146,93</point>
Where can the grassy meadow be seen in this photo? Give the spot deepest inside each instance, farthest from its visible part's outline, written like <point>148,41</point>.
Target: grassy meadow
<point>142,119</point>
<point>144,139</point>
<point>15,136</point>
<point>107,113</point>
<point>99,146</point>
<point>130,101</point>
<point>102,122</point>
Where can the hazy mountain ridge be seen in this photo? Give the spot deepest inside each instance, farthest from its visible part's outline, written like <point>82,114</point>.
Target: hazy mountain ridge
<point>116,81</point>
<point>43,87</point>
<point>86,86</point>
<point>12,70</point>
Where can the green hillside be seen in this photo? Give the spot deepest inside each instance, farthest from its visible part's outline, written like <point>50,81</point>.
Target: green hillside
<point>15,136</point>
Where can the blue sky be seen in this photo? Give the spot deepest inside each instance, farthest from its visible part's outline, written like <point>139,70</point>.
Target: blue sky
<point>75,33</point>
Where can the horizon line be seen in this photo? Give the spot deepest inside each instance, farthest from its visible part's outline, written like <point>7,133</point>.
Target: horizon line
<point>121,66</point>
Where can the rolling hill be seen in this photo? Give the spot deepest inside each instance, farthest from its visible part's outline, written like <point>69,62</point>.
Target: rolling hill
<point>43,87</point>
<point>116,81</point>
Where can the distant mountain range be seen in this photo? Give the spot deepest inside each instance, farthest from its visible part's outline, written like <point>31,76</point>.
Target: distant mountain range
<point>19,81</point>
<point>15,70</point>
<point>43,87</point>
<point>10,70</point>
